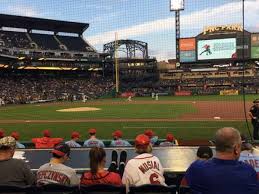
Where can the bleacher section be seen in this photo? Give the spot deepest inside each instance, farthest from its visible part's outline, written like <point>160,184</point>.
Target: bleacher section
<point>14,39</point>
<point>75,43</point>
<point>45,41</point>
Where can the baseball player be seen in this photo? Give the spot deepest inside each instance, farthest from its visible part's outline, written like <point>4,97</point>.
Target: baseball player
<point>117,141</point>
<point>144,168</point>
<point>151,135</point>
<point>170,141</point>
<point>75,136</point>
<point>16,136</point>
<point>93,141</point>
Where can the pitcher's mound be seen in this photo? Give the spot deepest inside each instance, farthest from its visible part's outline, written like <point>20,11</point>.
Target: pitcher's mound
<point>79,109</point>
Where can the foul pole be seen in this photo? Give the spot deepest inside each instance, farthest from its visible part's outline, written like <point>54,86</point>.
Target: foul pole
<point>116,62</point>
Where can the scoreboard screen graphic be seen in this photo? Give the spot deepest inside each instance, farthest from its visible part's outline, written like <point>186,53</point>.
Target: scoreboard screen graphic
<point>217,49</point>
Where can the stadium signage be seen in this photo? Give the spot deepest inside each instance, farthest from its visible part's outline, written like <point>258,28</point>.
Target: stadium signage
<point>213,29</point>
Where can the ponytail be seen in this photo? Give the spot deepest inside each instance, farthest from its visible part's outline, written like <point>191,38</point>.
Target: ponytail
<point>96,156</point>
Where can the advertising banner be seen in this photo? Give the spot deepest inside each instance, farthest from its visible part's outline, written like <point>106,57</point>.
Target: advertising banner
<point>228,92</point>
<point>255,52</point>
<point>217,49</point>
<point>187,56</point>
<point>183,93</point>
<point>187,44</point>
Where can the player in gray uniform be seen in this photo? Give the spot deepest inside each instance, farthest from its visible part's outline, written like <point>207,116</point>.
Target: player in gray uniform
<point>117,141</point>
<point>75,136</point>
<point>55,171</point>
<point>170,141</point>
<point>93,141</point>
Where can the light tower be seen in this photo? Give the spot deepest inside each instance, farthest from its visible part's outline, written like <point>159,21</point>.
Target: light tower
<point>177,6</point>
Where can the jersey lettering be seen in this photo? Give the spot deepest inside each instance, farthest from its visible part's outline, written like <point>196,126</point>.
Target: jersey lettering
<point>144,167</point>
<point>54,176</point>
<point>154,179</point>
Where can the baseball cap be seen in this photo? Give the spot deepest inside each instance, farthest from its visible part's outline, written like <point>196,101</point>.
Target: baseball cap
<point>46,133</point>
<point>15,135</point>
<point>142,140</point>
<point>61,150</point>
<point>92,131</point>
<point>1,133</point>
<point>204,152</point>
<point>7,141</point>
<point>170,137</point>
<point>117,133</point>
<point>149,133</point>
<point>75,134</point>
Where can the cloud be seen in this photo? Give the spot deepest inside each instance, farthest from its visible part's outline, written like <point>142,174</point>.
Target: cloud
<point>195,21</point>
<point>23,10</point>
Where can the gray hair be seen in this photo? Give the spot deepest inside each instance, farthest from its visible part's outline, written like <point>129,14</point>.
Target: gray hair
<point>226,138</point>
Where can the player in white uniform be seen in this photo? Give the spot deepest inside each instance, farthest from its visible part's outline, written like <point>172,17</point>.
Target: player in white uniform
<point>93,141</point>
<point>144,168</point>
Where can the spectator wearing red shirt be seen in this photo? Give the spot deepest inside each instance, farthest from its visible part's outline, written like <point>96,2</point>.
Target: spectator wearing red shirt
<point>2,134</point>
<point>46,141</point>
<point>97,174</point>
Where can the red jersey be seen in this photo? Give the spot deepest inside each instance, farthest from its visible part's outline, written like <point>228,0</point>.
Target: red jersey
<point>104,177</point>
<point>46,142</point>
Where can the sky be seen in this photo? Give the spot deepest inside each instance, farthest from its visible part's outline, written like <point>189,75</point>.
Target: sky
<point>145,20</point>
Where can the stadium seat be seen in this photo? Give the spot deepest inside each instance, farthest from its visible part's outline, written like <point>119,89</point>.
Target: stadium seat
<point>102,189</point>
<point>56,189</point>
<point>184,190</point>
<point>153,189</point>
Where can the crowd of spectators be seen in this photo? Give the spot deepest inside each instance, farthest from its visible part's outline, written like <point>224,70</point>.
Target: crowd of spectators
<point>28,88</point>
<point>221,173</point>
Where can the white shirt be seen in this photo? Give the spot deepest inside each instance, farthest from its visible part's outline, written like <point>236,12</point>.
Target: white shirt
<point>143,169</point>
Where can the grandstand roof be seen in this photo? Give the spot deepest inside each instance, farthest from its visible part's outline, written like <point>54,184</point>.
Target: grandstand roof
<point>31,23</point>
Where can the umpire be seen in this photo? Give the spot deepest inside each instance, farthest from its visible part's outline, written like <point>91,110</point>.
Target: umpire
<point>254,115</point>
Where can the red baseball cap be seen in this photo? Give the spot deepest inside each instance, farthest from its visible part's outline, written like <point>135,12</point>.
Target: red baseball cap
<point>2,133</point>
<point>46,133</point>
<point>149,133</point>
<point>75,134</point>
<point>61,150</point>
<point>117,133</point>
<point>15,135</point>
<point>170,137</point>
<point>142,140</point>
<point>92,131</point>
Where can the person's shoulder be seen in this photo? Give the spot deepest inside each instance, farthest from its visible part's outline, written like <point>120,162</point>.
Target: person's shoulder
<point>114,175</point>
<point>67,168</point>
<point>197,164</point>
<point>246,166</point>
<point>17,161</point>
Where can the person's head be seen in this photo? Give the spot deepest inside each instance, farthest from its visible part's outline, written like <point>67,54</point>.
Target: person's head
<point>170,137</point>
<point>97,159</point>
<point>2,134</point>
<point>61,152</point>
<point>15,135</point>
<point>256,102</point>
<point>46,133</point>
<point>7,147</point>
<point>142,144</point>
<point>246,146</point>
<point>75,135</point>
<point>204,153</point>
<point>117,134</point>
<point>92,132</point>
<point>149,133</point>
<point>228,143</point>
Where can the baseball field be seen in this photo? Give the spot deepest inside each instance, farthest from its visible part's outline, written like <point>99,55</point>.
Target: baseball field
<point>188,118</point>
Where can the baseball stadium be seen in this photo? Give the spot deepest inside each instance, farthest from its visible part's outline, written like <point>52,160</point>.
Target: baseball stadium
<point>181,71</point>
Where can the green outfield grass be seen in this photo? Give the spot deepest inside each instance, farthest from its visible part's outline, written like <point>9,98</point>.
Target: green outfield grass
<point>198,130</point>
<point>48,112</point>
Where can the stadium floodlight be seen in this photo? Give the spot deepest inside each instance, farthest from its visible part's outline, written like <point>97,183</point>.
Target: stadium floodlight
<point>176,5</point>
